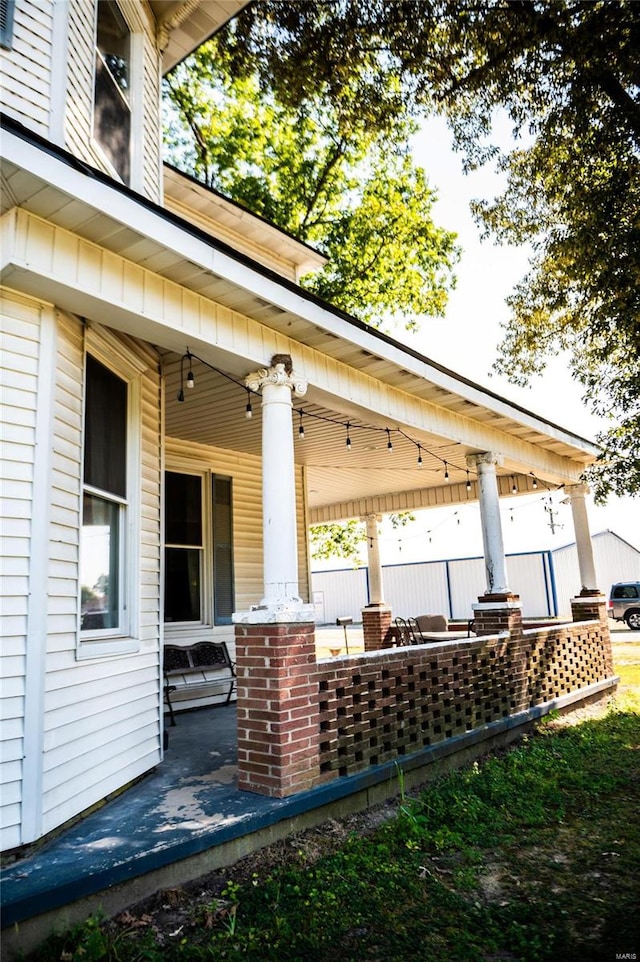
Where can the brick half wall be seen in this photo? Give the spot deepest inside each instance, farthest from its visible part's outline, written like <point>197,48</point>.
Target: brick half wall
<point>380,706</point>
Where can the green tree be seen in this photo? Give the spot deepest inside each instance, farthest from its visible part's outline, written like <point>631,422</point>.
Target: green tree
<point>567,72</point>
<point>354,194</point>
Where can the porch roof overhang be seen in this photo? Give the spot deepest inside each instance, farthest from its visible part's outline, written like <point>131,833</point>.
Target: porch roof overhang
<point>73,236</point>
<point>185,24</point>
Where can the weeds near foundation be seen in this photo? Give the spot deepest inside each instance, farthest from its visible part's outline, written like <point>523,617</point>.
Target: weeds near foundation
<point>528,856</point>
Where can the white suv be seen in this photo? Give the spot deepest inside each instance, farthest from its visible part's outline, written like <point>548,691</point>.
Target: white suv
<point>624,603</point>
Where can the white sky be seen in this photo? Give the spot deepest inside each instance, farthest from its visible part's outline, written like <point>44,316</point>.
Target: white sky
<point>466,341</point>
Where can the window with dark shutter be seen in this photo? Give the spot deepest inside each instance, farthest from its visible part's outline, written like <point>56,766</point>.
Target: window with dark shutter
<point>223,580</point>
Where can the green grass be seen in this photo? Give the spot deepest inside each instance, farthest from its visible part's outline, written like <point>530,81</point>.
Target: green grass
<point>531,855</point>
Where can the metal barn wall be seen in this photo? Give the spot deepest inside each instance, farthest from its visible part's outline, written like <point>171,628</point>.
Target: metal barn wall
<point>545,580</point>
<point>615,560</point>
<point>341,593</point>
<point>416,589</point>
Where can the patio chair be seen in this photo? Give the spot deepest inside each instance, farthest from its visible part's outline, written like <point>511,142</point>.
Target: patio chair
<point>403,632</point>
<point>415,632</point>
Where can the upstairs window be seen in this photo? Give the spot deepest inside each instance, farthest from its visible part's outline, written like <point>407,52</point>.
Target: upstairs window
<point>112,105</point>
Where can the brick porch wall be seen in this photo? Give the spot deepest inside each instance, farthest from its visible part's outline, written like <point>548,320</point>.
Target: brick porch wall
<point>380,706</point>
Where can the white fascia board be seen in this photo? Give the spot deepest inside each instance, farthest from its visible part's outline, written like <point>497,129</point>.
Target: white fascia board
<point>156,225</point>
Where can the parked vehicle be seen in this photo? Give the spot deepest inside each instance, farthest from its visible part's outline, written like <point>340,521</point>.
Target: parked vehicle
<point>624,603</point>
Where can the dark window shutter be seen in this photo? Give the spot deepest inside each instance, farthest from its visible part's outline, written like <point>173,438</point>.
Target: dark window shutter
<point>223,581</point>
<point>7,8</point>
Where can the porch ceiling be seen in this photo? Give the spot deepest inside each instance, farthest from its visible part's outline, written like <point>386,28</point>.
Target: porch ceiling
<point>341,482</point>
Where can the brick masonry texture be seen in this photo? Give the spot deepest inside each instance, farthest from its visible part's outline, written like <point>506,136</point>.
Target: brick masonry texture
<point>377,707</point>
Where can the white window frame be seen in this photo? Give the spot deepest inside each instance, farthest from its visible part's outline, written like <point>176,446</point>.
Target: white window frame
<point>135,102</point>
<point>176,629</point>
<point>107,642</point>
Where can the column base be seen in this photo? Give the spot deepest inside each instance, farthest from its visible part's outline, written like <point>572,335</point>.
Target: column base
<point>376,622</point>
<point>498,613</point>
<point>279,613</point>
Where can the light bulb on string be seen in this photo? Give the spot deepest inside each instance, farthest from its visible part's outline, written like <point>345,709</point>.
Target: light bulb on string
<point>191,382</point>
<point>446,471</point>
<point>514,486</point>
<point>468,481</point>
<point>419,456</point>
<point>248,410</point>
<point>389,444</point>
<point>535,482</point>
<point>301,428</point>
<point>348,441</point>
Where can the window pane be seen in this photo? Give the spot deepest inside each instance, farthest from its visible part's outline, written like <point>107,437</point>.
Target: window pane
<point>112,114</point>
<point>183,509</point>
<point>182,584</point>
<point>99,555</point>
<point>105,430</point>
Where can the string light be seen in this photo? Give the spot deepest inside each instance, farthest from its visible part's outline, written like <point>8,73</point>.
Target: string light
<point>389,444</point>
<point>191,383</point>
<point>248,410</point>
<point>535,481</point>
<point>446,471</point>
<point>468,481</point>
<point>301,428</point>
<point>514,486</point>
<point>348,441</point>
<point>419,456</point>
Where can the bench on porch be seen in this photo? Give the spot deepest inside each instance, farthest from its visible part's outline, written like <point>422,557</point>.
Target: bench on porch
<point>197,671</point>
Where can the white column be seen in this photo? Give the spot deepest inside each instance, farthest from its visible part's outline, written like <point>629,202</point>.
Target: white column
<point>577,496</point>
<point>373,559</point>
<point>280,542</point>
<point>494,559</point>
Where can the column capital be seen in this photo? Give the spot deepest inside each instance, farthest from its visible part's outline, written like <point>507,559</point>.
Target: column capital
<point>280,373</point>
<point>485,457</point>
<point>580,490</point>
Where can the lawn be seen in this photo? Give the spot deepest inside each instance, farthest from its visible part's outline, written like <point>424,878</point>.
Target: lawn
<point>532,854</point>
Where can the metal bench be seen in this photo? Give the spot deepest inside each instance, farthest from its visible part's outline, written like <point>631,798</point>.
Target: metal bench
<point>197,671</point>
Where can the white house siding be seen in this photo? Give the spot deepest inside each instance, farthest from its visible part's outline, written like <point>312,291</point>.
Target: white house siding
<point>25,89</point>
<point>19,360</point>
<point>146,170</point>
<point>245,472</point>
<point>101,715</point>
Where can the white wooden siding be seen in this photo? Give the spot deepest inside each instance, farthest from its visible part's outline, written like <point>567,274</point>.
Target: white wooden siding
<point>101,719</point>
<point>19,350</point>
<point>25,90</point>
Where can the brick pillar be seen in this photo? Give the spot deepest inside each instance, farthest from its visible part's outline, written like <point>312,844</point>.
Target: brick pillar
<point>376,621</point>
<point>278,715</point>
<point>496,613</point>
<point>590,605</point>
